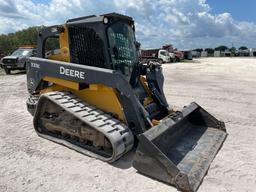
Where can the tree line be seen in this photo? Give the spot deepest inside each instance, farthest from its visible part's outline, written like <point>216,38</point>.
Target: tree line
<point>221,48</point>
<point>10,42</point>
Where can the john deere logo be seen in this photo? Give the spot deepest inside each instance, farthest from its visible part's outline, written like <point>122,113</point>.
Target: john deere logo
<point>72,73</point>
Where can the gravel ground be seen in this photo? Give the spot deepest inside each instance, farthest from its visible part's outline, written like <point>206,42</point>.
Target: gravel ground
<point>226,87</point>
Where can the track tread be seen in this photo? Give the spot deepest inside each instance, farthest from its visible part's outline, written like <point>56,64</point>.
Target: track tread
<point>119,134</point>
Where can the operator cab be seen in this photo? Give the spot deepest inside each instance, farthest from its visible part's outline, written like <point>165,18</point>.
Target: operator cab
<point>106,41</point>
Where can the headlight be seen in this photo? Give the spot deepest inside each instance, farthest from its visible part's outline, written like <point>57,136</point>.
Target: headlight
<point>105,20</point>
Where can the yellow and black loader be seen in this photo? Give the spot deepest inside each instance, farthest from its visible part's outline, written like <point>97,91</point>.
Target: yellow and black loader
<point>92,95</point>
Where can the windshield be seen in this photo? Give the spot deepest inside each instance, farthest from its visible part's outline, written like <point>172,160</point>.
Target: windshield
<point>122,47</point>
<point>21,52</point>
<point>164,53</point>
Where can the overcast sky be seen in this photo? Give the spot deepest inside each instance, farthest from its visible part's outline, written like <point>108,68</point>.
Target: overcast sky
<point>184,23</point>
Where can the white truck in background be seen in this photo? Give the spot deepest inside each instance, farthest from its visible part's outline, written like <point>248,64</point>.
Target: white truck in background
<point>159,55</point>
<point>172,57</point>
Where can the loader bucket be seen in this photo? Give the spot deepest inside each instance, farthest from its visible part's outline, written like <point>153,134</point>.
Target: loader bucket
<point>180,149</point>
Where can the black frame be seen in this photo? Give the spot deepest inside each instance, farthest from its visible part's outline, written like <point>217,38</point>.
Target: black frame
<point>38,68</point>
<point>137,117</point>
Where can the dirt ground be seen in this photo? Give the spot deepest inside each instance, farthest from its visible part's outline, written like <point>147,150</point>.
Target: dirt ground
<point>226,87</point>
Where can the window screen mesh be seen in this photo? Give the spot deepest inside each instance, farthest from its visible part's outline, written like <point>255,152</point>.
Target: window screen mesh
<point>86,47</point>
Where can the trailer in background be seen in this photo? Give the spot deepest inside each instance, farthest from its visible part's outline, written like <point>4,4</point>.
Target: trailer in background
<point>187,54</point>
<point>196,54</point>
<point>179,56</point>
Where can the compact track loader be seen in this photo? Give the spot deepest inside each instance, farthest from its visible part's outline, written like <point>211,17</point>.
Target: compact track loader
<point>92,95</point>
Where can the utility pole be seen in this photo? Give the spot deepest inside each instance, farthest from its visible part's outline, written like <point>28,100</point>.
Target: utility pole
<point>232,52</point>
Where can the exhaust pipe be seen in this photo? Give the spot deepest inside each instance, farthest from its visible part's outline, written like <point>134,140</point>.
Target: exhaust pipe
<point>181,148</point>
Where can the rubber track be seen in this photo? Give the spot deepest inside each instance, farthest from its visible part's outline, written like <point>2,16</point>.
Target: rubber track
<point>117,132</point>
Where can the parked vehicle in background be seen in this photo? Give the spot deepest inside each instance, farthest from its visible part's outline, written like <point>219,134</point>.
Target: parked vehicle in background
<point>253,52</point>
<point>196,54</point>
<point>178,56</point>
<point>17,60</point>
<point>169,48</point>
<point>160,55</point>
<point>172,57</point>
<point>187,55</point>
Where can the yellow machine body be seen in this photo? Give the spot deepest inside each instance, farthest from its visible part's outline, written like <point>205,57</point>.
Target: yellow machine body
<point>100,96</point>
